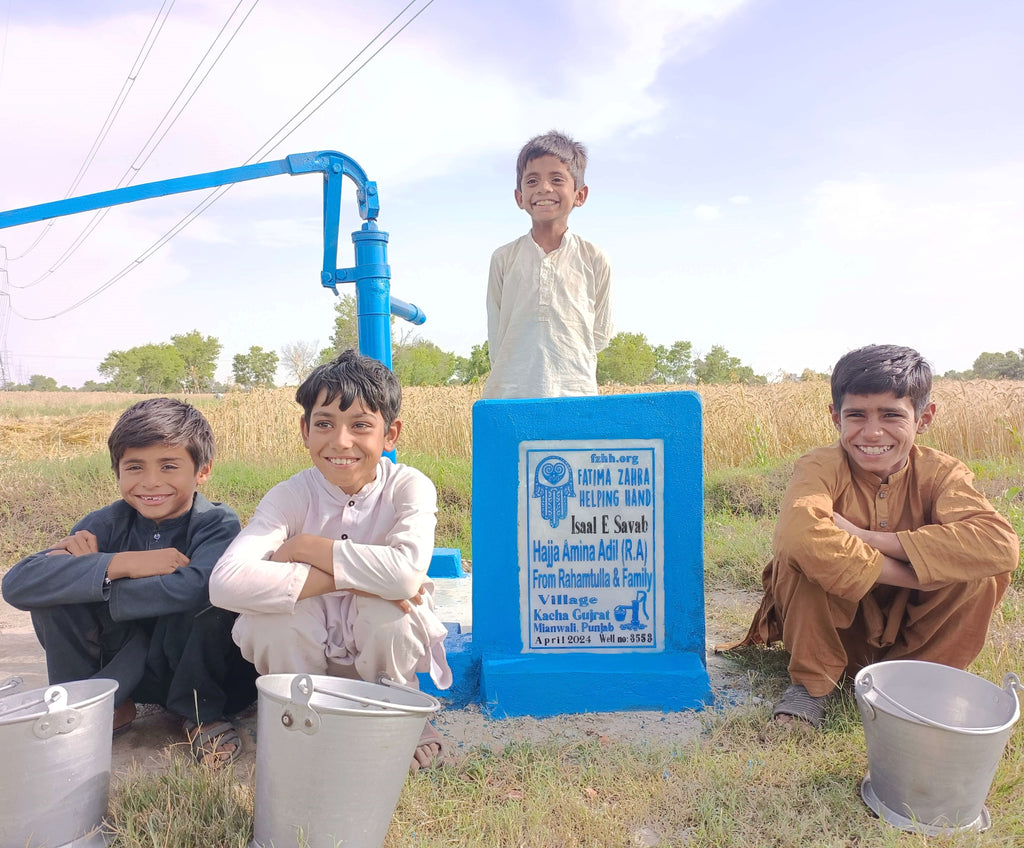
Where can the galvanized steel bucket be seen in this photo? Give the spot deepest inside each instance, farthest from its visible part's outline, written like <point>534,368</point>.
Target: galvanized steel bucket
<point>55,780</point>
<point>332,755</point>
<point>934,738</point>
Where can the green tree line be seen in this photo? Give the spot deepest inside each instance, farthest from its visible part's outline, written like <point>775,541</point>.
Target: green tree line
<point>993,366</point>
<point>188,361</point>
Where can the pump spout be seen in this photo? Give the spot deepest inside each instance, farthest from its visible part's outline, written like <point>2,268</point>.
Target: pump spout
<point>408,311</point>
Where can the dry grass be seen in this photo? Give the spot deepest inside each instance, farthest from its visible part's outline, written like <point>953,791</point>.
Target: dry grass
<point>743,425</point>
<point>756,425</point>
<point>260,426</point>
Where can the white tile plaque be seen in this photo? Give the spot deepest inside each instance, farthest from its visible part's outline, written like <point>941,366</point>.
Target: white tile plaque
<point>591,565</point>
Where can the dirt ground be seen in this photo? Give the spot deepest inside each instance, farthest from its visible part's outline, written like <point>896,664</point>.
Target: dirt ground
<point>144,746</point>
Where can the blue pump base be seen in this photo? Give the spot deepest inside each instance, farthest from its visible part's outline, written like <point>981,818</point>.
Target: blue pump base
<point>577,683</point>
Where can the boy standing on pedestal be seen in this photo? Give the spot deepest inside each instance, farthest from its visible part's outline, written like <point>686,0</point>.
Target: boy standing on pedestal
<point>548,292</point>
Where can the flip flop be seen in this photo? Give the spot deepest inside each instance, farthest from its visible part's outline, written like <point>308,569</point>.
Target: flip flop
<point>207,741</point>
<point>430,750</point>
<point>797,702</point>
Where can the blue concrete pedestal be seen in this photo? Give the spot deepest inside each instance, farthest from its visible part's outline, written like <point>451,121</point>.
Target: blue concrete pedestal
<point>588,583</point>
<point>587,683</point>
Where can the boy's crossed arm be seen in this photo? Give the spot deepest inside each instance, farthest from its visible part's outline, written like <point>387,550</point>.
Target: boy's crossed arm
<point>896,567</point>
<point>131,564</point>
<point>318,552</point>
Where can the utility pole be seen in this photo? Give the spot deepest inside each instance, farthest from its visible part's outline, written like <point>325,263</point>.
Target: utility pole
<point>5,320</point>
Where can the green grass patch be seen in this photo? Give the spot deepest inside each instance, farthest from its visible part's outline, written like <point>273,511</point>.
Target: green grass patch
<point>453,477</point>
<point>181,806</point>
<point>741,506</point>
<point>736,549</point>
<point>754,491</point>
<point>242,485</point>
<point>40,501</point>
<point>743,782</point>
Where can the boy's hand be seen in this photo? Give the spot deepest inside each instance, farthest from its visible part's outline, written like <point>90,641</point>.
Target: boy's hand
<point>317,551</point>
<point>886,543</point>
<point>146,563</point>
<point>77,544</point>
<point>404,605</point>
<point>896,573</point>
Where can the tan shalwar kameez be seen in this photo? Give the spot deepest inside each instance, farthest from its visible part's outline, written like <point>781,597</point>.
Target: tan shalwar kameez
<point>820,596</point>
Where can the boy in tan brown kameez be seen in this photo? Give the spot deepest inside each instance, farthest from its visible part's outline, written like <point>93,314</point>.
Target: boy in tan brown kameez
<point>883,549</point>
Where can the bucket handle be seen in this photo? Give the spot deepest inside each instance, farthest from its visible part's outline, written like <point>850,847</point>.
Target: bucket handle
<point>385,705</point>
<point>11,683</point>
<point>1010,682</point>
<point>301,716</point>
<point>303,689</point>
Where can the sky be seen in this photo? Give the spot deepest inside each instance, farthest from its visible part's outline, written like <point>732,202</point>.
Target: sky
<point>789,179</point>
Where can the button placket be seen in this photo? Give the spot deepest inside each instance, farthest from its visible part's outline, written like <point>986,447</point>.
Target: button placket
<point>882,507</point>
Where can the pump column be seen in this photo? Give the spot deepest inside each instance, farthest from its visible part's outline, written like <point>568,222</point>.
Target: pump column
<point>373,292</point>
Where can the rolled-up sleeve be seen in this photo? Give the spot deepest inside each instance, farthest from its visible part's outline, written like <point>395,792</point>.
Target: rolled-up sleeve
<point>808,540</point>
<point>245,579</point>
<point>965,539</point>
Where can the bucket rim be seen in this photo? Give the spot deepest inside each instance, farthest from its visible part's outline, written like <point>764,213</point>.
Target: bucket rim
<point>301,689</point>
<point>104,686</point>
<point>864,685</point>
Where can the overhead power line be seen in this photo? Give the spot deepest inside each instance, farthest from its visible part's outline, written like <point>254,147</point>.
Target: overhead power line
<point>278,138</point>
<point>115,110</point>
<point>188,91</point>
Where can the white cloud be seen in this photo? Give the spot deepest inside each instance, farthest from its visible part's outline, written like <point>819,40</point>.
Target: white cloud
<point>706,212</point>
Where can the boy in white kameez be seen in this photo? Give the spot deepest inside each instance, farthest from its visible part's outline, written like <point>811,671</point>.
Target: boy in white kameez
<point>548,292</point>
<point>330,575</point>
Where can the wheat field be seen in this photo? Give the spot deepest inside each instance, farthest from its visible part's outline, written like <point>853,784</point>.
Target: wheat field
<point>977,420</point>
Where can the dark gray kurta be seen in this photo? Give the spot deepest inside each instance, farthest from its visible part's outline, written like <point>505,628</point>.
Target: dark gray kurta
<point>157,636</point>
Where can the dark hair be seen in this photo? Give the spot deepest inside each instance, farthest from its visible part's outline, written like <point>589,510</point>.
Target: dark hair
<point>570,153</point>
<point>349,377</point>
<point>162,421</point>
<point>877,369</point>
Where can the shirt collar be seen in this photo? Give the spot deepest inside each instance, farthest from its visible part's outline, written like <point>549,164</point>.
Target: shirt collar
<point>370,489</point>
<point>168,525</point>
<point>567,238</point>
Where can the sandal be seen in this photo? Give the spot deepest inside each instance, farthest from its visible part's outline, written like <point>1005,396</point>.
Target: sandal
<point>429,751</point>
<point>800,704</point>
<point>210,742</point>
<point>124,715</point>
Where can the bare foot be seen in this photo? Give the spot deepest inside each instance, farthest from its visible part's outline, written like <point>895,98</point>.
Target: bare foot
<point>429,751</point>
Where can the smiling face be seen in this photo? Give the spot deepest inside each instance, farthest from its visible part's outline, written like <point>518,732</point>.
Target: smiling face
<point>346,444</point>
<point>877,431</point>
<point>158,481</point>
<point>547,192</point>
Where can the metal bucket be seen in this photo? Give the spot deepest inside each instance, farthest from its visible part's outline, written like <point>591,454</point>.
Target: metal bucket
<point>55,781</point>
<point>332,755</point>
<point>934,738</point>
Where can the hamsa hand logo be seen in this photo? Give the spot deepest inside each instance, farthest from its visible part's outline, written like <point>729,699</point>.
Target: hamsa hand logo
<point>552,483</point>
